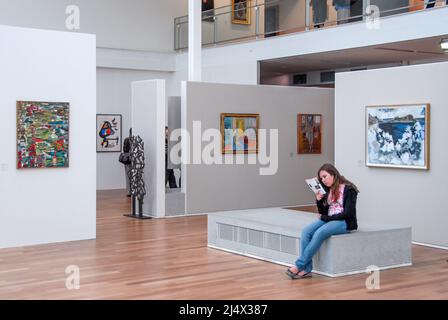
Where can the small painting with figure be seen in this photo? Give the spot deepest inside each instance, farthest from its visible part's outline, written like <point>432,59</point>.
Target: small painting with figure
<point>309,133</point>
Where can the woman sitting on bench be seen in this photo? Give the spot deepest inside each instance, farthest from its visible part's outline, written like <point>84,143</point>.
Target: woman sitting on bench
<point>337,215</point>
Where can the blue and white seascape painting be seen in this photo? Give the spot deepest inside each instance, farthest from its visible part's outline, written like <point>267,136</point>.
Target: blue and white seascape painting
<point>397,136</point>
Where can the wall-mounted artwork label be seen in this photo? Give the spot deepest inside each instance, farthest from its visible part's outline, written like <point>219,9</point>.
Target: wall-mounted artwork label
<point>309,133</point>
<point>42,134</point>
<point>239,133</point>
<point>241,11</point>
<point>108,133</point>
<point>398,136</point>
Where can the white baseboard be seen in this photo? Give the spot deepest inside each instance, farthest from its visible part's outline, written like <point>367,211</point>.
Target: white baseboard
<point>429,245</point>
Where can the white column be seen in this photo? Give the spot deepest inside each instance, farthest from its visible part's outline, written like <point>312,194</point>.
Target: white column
<point>194,40</point>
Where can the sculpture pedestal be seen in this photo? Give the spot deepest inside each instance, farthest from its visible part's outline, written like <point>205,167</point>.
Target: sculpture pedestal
<point>140,215</point>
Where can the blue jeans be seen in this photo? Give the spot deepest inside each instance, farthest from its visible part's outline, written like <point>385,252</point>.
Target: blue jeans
<point>312,238</point>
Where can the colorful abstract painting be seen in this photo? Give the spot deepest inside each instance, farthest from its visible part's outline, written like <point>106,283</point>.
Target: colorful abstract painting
<point>108,133</point>
<point>42,134</point>
<point>239,133</point>
<point>309,133</point>
<point>398,136</point>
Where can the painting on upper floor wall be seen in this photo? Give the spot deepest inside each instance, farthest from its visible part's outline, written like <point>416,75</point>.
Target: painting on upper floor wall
<point>241,11</point>
<point>42,134</point>
<point>207,10</point>
<point>398,136</point>
<point>108,133</point>
<point>309,133</point>
<point>239,133</point>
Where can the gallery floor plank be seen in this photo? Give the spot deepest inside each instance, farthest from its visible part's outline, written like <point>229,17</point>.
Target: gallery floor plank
<point>169,259</point>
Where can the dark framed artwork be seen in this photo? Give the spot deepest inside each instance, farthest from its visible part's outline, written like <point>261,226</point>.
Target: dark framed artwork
<point>241,11</point>
<point>108,133</point>
<point>208,10</point>
<point>239,133</point>
<point>397,136</point>
<point>309,133</point>
<point>42,134</point>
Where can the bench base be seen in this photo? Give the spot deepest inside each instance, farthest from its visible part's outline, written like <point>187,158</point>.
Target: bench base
<point>273,235</point>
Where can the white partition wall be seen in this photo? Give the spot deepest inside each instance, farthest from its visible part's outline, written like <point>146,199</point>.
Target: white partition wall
<point>148,121</point>
<point>48,205</point>
<point>220,187</point>
<point>396,196</point>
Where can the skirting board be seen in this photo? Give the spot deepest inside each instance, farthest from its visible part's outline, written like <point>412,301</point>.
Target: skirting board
<point>317,272</point>
<point>429,245</point>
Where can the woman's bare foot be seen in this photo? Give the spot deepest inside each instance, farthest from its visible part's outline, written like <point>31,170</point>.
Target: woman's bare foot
<point>293,269</point>
<point>302,273</point>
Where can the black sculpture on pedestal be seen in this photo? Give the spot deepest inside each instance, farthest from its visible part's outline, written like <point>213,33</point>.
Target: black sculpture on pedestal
<point>138,190</point>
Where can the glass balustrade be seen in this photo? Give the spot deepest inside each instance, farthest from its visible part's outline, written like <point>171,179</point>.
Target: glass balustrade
<point>254,19</point>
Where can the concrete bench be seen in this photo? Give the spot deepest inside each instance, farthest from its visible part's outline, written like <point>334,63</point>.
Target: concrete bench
<point>273,234</point>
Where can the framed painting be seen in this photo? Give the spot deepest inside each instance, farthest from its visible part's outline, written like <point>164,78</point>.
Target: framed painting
<point>241,11</point>
<point>108,133</point>
<point>397,136</point>
<point>239,133</point>
<point>42,134</point>
<point>309,133</point>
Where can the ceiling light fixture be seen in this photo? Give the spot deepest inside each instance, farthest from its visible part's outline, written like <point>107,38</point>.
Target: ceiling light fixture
<point>444,45</point>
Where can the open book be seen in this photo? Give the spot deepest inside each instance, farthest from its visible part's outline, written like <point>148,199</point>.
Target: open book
<point>315,186</point>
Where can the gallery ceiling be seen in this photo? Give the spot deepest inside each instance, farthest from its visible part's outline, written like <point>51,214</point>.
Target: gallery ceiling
<point>417,51</point>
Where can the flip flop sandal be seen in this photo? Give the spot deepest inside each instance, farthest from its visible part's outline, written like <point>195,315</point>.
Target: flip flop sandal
<point>290,273</point>
<point>297,276</point>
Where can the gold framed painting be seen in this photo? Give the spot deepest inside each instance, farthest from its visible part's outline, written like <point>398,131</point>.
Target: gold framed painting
<point>241,11</point>
<point>239,133</point>
<point>397,136</point>
<point>309,133</point>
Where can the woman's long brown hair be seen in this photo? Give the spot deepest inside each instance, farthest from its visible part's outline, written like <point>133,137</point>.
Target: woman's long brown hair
<point>338,180</point>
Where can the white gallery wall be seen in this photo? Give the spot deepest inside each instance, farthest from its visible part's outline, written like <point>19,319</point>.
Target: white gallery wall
<point>218,187</point>
<point>59,204</point>
<point>407,197</point>
<point>138,24</point>
<point>149,104</point>
<point>47,14</point>
<point>133,24</point>
<point>114,96</point>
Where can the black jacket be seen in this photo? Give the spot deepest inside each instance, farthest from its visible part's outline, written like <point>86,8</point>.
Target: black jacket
<point>349,213</point>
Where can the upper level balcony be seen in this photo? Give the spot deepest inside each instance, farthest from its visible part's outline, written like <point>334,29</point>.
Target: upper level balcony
<point>248,20</point>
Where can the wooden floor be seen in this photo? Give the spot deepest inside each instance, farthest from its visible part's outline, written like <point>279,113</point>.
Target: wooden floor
<point>169,259</point>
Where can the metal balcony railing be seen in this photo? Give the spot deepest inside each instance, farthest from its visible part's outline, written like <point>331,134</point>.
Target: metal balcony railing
<point>254,19</point>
